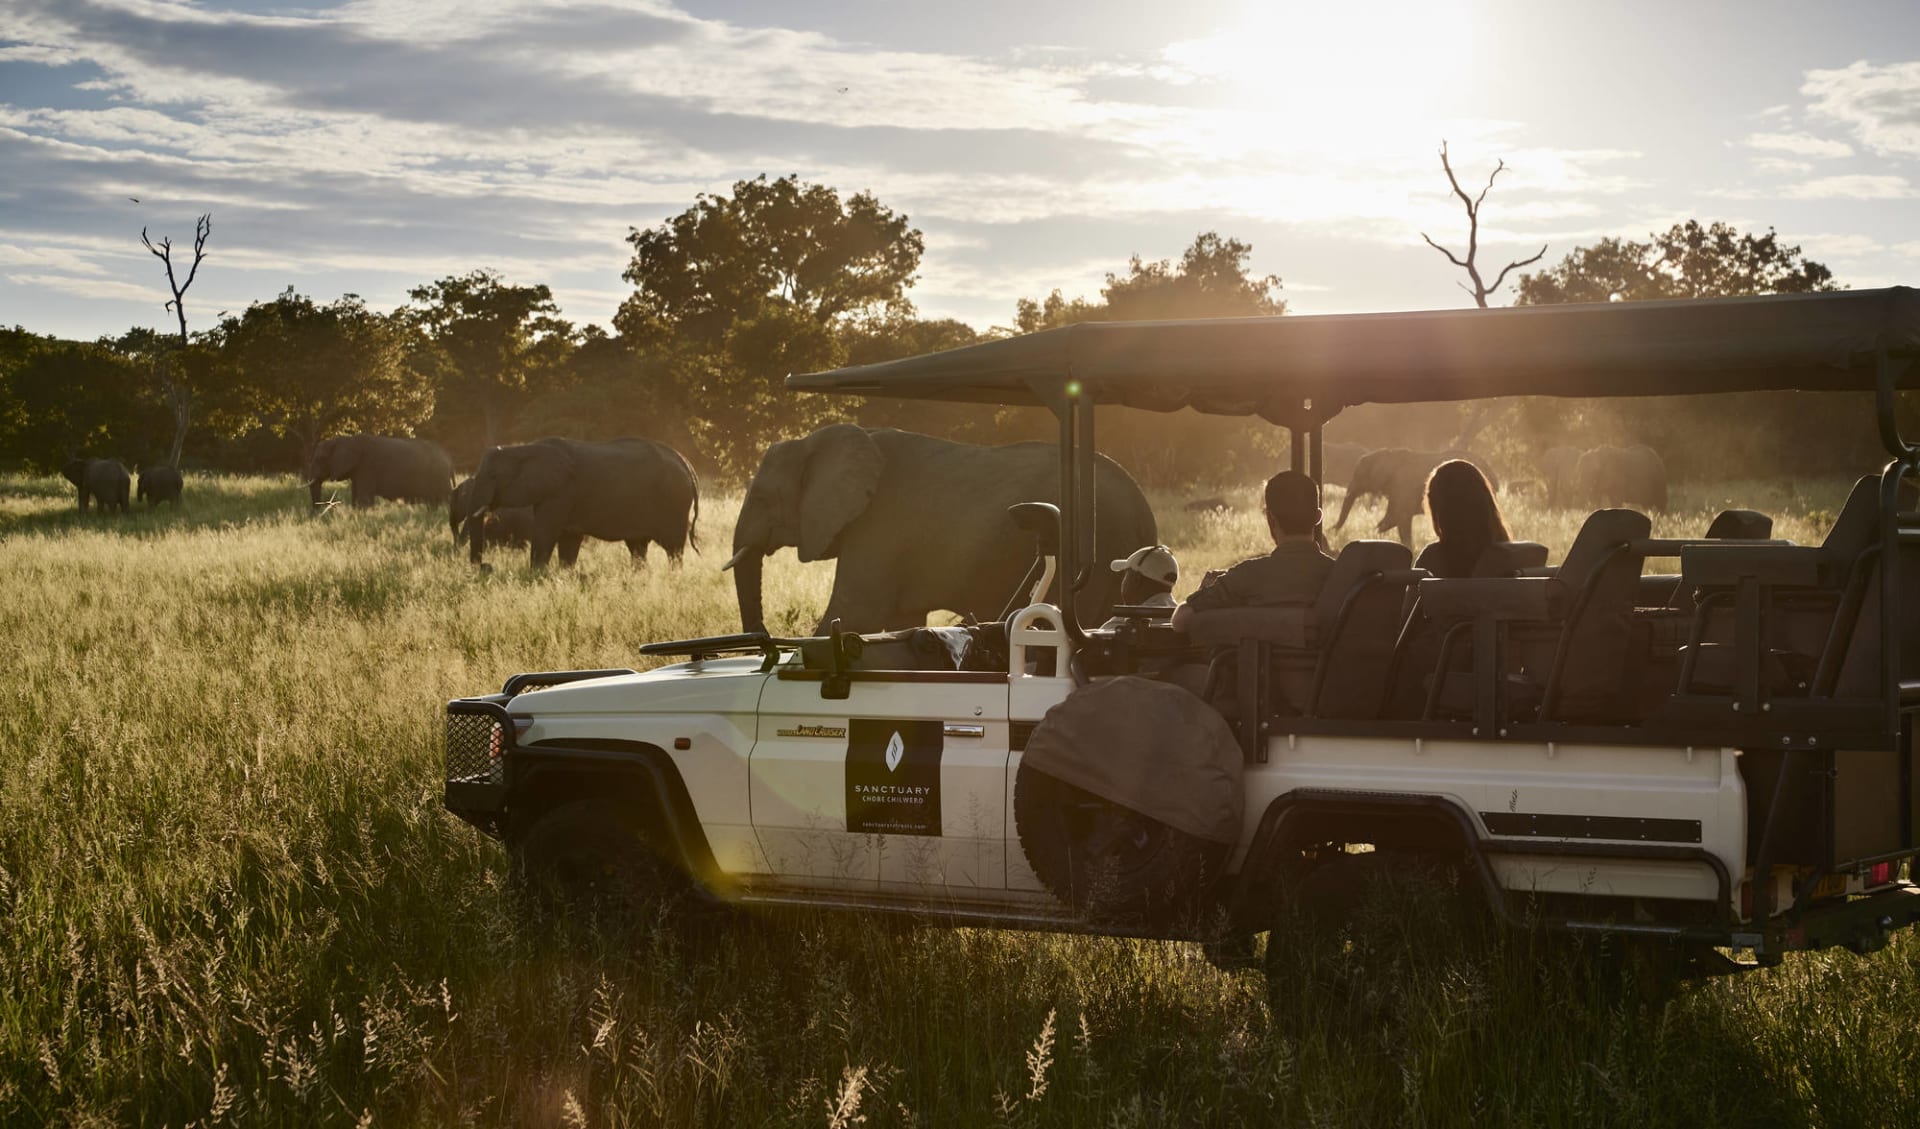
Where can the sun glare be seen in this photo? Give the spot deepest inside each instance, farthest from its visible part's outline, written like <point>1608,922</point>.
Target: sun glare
<point>1339,75</point>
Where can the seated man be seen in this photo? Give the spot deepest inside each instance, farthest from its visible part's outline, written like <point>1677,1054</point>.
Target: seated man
<point>1147,579</point>
<point>1293,573</point>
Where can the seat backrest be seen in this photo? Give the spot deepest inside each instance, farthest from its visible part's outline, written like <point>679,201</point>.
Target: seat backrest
<point>1600,582</point>
<point>1369,580</point>
<point>1507,558</point>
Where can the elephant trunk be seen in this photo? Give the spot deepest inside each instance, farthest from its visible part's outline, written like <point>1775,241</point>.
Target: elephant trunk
<point>746,567</point>
<point>313,491</point>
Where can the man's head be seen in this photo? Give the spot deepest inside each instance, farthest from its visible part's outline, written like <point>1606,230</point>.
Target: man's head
<point>1146,573</point>
<point>1293,505</point>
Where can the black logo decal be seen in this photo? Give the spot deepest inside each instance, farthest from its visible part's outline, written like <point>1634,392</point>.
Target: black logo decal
<point>893,776</point>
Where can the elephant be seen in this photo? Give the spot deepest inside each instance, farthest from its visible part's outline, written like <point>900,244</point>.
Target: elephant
<point>381,466</point>
<point>511,528</point>
<point>634,490</point>
<point>918,524</point>
<point>1558,471</point>
<point>1337,461</point>
<point>459,502</point>
<point>104,481</point>
<point>1622,476</point>
<point>159,484</point>
<point>1400,476</point>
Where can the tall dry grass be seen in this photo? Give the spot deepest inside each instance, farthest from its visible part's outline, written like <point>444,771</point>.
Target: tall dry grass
<point>229,895</point>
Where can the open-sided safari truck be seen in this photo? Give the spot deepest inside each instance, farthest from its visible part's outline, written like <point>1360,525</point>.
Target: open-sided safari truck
<point>1716,751</point>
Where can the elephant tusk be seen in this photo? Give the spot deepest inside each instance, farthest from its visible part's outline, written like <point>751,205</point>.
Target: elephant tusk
<point>736,559</point>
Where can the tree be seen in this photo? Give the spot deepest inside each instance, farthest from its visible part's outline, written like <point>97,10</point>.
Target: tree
<point>59,399</point>
<point>491,344</point>
<point>781,242</point>
<point>172,373</point>
<point>736,405</point>
<point>1715,435</point>
<point>1685,261</point>
<point>1210,280</point>
<point>1480,289</point>
<point>308,371</point>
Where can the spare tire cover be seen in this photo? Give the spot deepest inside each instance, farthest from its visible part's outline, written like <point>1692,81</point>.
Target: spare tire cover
<point>1148,746</point>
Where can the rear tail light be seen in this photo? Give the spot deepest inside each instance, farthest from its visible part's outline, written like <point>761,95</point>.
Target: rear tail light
<point>1881,873</point>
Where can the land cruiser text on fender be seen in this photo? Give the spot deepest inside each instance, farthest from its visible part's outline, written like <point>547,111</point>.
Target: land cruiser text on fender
<point>1720,755</point>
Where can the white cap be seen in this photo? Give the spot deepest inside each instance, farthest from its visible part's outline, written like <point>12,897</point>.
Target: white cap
<point>1155,562</point>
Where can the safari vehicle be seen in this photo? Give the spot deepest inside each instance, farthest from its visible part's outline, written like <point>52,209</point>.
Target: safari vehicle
<point>1717,754</point>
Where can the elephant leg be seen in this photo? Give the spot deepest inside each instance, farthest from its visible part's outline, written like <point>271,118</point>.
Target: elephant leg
<point>539,551</point>
<point>570,549</point>
<point>362,493</point>
<point>865,599</point>
<point>637,550</point>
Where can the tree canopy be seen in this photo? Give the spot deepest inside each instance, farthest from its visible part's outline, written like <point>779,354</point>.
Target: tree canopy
<point>1211,281</point>
<point>780,242</point>
<point>296,368</point>
<point>1685,261</point>
<point>489,343</point>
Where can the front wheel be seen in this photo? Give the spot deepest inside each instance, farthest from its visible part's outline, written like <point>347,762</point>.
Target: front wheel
<point>592,856</point>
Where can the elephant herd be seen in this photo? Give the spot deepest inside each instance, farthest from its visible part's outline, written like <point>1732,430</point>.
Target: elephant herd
<point>914,523</point>
<point>106,483</point>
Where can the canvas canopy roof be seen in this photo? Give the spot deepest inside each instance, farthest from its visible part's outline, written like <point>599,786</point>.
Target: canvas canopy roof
<point>1271,366</point>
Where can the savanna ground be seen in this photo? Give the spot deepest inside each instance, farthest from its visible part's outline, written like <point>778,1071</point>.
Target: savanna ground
<point>229,894</point>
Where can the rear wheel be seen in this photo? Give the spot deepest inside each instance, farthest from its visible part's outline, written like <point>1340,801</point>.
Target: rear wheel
<point>1111,863</point>
<point>1359,930</point>
<point>594,857</point>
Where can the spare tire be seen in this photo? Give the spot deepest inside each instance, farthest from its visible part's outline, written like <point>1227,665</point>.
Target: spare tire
<point>1128,802</point>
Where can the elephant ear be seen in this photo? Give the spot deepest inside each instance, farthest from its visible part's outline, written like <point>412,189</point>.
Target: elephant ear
<point>545,469</point>
<point>843,471</point>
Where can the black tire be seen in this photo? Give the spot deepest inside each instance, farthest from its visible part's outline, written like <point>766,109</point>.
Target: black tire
<point>1112,864</point>
<point>1358,929</point>
<point>593,857</point>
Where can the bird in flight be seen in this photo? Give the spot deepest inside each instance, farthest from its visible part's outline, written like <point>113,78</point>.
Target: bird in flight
<point>135,199</point>
<point>844,89</point>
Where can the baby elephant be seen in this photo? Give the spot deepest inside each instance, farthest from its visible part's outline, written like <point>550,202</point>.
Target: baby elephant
<point>104,481</point>
<point>159,484</point>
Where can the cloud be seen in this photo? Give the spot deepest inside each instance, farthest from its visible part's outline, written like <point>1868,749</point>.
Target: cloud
<point>1879,104</point>
<point>1780,166</point>
<point>1859,186</point>
<point>1798,145</point>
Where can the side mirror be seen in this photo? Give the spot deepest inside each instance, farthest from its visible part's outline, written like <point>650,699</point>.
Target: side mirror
<point>1042,519</point>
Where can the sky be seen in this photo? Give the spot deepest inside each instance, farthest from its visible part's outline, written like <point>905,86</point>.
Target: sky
<point>370,146</point>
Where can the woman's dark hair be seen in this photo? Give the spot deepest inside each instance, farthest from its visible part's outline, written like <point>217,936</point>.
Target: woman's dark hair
<point>1465,517</point>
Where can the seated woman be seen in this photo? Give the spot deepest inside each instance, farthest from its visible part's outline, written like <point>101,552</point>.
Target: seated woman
<point>1465,518</point>
<point>1147,577</point>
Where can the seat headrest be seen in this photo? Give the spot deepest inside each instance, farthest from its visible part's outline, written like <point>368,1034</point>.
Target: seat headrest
<point>1357,559</point>
<point>1603,530</point>
<point>1740,525</point>
<point>1858,525</point>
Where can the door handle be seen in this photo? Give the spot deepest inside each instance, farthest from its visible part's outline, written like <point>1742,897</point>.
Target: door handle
<point>955,729</point>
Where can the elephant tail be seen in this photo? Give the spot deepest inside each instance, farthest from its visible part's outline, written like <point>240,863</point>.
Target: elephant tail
<point>693,485</point>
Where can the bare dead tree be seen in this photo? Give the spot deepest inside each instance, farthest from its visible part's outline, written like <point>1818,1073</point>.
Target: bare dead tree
<point>173,377</point>
<point>1480,290</point>
<point>1481,413</point>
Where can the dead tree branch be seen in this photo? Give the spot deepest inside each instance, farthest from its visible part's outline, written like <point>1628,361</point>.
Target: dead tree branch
<point>173,380</point>
<point>1480,290</point>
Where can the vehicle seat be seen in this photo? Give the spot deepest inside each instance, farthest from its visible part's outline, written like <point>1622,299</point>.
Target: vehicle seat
<point>1329,658</point>
<point>1568,636</point>
<point>1815,597</point>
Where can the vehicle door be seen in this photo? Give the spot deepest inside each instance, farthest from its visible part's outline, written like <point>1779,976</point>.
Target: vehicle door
<point>900,785</point>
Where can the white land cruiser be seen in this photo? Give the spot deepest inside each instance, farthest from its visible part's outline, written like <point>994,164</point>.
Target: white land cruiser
<point>1718,756</point>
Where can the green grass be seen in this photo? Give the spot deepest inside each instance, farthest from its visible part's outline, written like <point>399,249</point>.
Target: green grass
<point>229,895</point>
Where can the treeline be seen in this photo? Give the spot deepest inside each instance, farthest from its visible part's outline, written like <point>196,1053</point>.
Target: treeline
<point>781,276</point>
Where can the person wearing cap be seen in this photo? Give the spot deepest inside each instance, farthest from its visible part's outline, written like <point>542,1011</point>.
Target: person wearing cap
<point>1147,577</point>
<point>1293,573</point>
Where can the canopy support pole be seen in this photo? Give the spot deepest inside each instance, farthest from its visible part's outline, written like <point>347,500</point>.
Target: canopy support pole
<point>1086,502</point>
